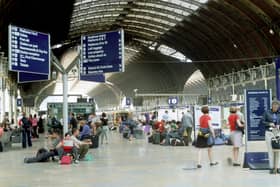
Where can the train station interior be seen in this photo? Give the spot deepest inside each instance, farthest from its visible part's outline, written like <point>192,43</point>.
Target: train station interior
<point>126,74</point>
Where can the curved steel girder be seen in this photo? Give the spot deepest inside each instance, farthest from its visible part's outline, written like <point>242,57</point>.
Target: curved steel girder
<point>272,10</point>
<point>215,69</point>
<point>180,43</point>
<point>216,27</point>
<point>145,20</point>
<point>141,35</point>
<point>186,50</point>
<point>148,29</point>
<point>258,17</point>
<point>202,37</point>
<point>144,25</point>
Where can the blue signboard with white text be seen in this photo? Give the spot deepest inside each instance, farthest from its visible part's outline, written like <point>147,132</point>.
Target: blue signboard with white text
<point>19,102</point>
<point>128,101</point>
<point>102,53</point>
<point>257,102</point>
<point>173,101</point>
<point>93,78</point>
<point>29,51</point>
<point>277,77</point>
<point>31,77</point>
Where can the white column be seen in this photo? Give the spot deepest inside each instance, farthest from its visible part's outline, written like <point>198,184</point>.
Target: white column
<point>10,105</point>
<point>65,102</point>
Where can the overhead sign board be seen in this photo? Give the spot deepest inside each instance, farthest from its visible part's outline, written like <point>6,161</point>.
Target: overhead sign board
<point>29,51</point>
<point>30,77</point>
<point>93,78</point>
<point>19,102</point>
<point>102,53</point>
<point>173,100</point>
<point>257,102</point>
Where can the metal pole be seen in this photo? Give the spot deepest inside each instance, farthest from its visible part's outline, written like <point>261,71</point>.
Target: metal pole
<point>65,102</point>
<point>10,105</point>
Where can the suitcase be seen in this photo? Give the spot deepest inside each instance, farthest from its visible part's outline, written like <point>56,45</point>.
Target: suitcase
<point>138,134</point>
<point>94,142</point>
<point>156,138</point>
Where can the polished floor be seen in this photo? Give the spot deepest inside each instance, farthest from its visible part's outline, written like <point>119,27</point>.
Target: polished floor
<point>130,164</point>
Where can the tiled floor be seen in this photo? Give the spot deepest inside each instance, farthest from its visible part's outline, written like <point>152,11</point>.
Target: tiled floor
<point>130,164</point>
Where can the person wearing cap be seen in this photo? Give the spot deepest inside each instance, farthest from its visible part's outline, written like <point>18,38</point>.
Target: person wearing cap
<point>271,120</point>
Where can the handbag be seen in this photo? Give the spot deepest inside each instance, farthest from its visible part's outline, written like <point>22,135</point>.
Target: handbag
<point>65,160</point>
<point>238,128</point>
<point>204,132</point>
<point>275,142</point>
<point>210,140</point>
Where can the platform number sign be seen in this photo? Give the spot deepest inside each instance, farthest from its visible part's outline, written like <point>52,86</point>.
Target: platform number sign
<point>172,100</point>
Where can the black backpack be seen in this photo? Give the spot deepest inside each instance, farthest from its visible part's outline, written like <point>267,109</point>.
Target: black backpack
<point>25,123</point>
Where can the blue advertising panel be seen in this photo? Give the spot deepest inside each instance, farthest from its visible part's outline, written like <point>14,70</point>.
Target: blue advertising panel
<point>257,102</point>
<point>93,78</point>
<point>277,78</point>
<point>19,102</point>
<point>29,51</point>
<point>30,77</point>
<point>102,53</point>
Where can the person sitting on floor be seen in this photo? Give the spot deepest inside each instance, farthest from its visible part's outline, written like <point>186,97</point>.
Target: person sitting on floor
<point>82,146</point>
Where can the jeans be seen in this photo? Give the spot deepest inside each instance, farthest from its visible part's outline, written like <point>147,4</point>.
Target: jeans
<point>104,134</point>
<point>26,133</point>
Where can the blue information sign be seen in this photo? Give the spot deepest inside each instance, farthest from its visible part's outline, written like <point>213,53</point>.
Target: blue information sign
<point>257,102</point>
<point>102,53</point>
<point>128,101</point>
<point>277,77</point>
<point>172,100</point>
<point>19,102</point>
<point>93,78</point>
<point>30,77</point>
<point>29,51</point>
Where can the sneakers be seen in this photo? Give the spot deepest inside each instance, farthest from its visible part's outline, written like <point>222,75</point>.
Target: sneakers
<point>76,161</point>
<point>213,163</point>
<point>199,166</point>
<point>236,164</point>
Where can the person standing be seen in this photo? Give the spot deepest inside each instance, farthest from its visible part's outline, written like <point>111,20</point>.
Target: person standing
<point>105,128</point>
<point>236,135</point>
<point>73,122</point>
<point>26,130</point>
<point>165,116</point>
<point>271,120</point>
<point>35,126</point>
<point>187,124</point>
<point>205,127</point>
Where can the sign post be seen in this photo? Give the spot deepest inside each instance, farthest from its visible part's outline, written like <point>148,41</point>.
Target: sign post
<point>102,53</point>
<point>256,103</point>
<point>29,51</point>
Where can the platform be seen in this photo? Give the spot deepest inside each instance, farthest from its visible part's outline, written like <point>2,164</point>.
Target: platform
<point>131,164</point>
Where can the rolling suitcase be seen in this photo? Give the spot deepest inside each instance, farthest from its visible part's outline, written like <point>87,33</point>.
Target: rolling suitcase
<point>156,138</point>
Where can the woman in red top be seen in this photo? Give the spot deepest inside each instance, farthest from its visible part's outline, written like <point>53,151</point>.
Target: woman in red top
<point>235,135</point>
<point>201,142</point>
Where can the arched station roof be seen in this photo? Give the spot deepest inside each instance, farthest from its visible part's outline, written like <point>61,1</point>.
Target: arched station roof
<point>209,32</point>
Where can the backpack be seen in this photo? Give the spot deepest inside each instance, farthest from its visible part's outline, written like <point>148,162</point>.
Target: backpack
<point>25,123</point>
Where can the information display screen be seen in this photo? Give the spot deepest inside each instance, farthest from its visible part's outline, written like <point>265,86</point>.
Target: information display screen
<point>102,53</point>
<point>257,102</point>
<point>31,77</point>
<point>93,78</point>
<point>29,51</point>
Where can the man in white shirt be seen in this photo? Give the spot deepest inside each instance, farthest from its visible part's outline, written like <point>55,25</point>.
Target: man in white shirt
<point>81,146</point>
<point>165,116</point>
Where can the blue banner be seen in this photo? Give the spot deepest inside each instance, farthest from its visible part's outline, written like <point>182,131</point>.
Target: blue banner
<point>257,102</point>
<point>93,78</point>
<point>29,51</point>
<point>102,53</point>
<point>128,101</point>
<point>277,78</point>
<point>30,77</point>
